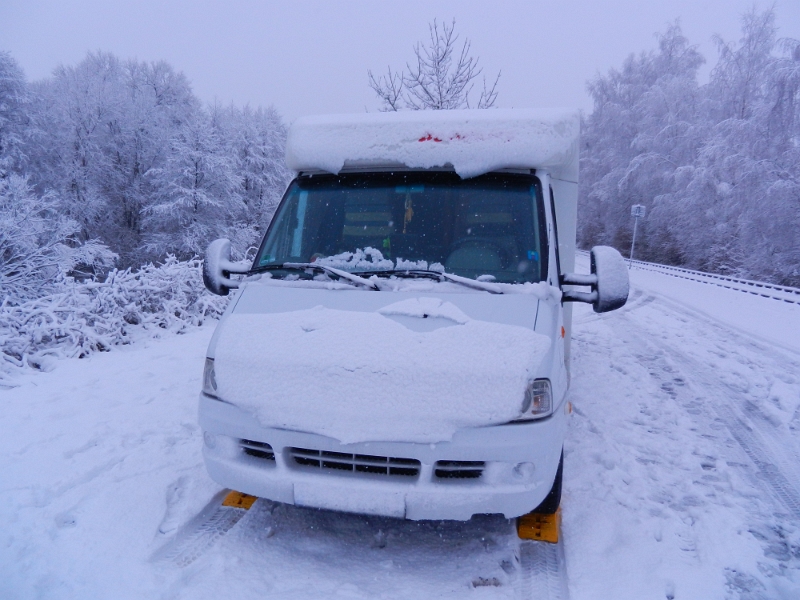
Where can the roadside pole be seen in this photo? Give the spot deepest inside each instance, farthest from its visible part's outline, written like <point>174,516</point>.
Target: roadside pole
<point>637,210</point>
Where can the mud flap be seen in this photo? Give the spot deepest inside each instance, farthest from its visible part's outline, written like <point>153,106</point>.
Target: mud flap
<point>540,527</point>
<point>239,500</point>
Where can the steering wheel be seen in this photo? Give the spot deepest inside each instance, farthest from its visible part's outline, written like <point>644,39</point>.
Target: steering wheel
<point>484,243</point>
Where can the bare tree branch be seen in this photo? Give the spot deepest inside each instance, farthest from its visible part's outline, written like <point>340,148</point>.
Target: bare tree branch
<point>489,96</point>
<point>389,88</point>
<point>441,78</point>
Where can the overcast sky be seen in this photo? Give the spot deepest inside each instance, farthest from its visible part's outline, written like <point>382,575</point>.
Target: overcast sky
<point>312,56</point>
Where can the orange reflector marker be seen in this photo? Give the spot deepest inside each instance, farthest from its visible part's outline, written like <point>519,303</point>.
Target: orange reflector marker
<point>539,527</point>
<point>239,500</point>
<point>563,331</point>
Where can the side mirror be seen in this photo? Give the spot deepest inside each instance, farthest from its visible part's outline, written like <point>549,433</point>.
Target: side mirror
<point>609,281</point>
<point>217,268</point>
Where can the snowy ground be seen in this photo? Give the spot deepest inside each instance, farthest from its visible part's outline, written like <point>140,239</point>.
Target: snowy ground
<point>682,475</point>
<point>684,456</point>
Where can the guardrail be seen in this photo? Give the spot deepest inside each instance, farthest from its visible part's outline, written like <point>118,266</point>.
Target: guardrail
<point>757,288</point>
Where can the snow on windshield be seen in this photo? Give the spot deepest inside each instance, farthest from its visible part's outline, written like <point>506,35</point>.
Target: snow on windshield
<point>371,259</point>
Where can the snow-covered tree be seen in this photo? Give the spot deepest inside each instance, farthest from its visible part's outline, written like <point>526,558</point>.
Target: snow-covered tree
<point>441,76</point>
<point>743,192</point>
<point>102,126</point>
<point>13,99</point>
<point>71,112</point>
<point>642,129</point>
<point>717,165</point>
<point>199,192</point>
<point>771,237</point>
<point>256,139</point>
<point>157,100</point>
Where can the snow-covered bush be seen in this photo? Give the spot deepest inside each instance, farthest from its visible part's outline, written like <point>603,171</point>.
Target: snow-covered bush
<point>37,243</point>
<point>84,317</point>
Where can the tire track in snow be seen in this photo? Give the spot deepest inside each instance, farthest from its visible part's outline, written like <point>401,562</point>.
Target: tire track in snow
<point>772,461</point>
<point>542,571</point>
<point>776,463</point>
<point>710,396</point>
<point>202,532</point>
<point>334,550</point>
<point>763,460</point>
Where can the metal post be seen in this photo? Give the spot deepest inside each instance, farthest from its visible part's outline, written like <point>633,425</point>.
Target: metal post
<point>633,243</point>
<point>637,210</point>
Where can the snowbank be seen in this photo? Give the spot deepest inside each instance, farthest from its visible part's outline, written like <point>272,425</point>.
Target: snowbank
<point>472,141</point>
<point>361,376</point>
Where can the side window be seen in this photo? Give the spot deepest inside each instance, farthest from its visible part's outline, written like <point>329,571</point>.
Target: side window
<point>555,232</point>
<point>300,221</point>
<point>285,221</point>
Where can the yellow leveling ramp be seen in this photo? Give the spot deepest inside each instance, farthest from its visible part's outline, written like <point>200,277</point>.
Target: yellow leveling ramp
<point>539,527</point>
<point>239,500</point>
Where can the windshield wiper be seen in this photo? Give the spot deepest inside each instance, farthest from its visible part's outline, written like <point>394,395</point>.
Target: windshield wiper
<point>318,267</point>
<point>485,286</point>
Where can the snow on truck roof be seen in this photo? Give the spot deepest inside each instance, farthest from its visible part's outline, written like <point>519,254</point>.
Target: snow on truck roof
<point>473,142</point>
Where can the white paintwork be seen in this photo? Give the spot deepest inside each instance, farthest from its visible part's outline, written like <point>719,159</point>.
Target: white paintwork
<point>471,142</point>
<point>502,447</point>
<point>565,194</point>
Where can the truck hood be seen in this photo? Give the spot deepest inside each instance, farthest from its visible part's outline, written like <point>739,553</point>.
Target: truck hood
<point>359,365</point>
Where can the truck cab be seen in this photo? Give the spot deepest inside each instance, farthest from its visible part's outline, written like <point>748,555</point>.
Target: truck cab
<point>399,345</point>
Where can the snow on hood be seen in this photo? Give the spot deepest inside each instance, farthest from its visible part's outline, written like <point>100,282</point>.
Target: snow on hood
<point>426,307</point>
<point>473,142</point>
<point>362,376</point>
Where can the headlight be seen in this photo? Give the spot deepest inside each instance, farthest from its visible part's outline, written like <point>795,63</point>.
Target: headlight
<point>209,381</point>
<point>538,401</point>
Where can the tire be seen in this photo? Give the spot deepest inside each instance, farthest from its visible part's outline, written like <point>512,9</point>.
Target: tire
<point>553,500</point>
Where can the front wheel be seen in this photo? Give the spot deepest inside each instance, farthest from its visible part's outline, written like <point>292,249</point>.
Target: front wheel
<point>551,503</point>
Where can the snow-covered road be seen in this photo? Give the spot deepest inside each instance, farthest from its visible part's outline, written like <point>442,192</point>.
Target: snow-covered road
<point>682,475</point>
<point>684,454</point>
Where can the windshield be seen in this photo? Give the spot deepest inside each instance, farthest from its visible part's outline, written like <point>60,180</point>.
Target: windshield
<point>491,226</point>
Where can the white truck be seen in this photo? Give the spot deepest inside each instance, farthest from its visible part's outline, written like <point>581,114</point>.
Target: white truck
<point>400,344</point>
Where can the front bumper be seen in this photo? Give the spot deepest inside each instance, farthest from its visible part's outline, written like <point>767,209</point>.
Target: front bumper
<point>519,464</point>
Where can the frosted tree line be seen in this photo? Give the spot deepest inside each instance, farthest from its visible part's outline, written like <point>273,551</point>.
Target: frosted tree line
<point>115,163</point>
<point>717,165</point>
<point>113,179</point>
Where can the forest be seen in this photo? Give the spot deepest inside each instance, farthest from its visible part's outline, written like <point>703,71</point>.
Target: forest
<point>114,163</point>
<point>717,165</point>
<point>114,177</point>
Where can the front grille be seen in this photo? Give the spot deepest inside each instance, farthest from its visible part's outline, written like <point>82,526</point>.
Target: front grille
<point>358,463</point>
<point>459,469</point>
<point>257,449</point>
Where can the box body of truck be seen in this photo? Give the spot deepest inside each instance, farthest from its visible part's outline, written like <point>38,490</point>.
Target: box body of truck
<point>400,344</point>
